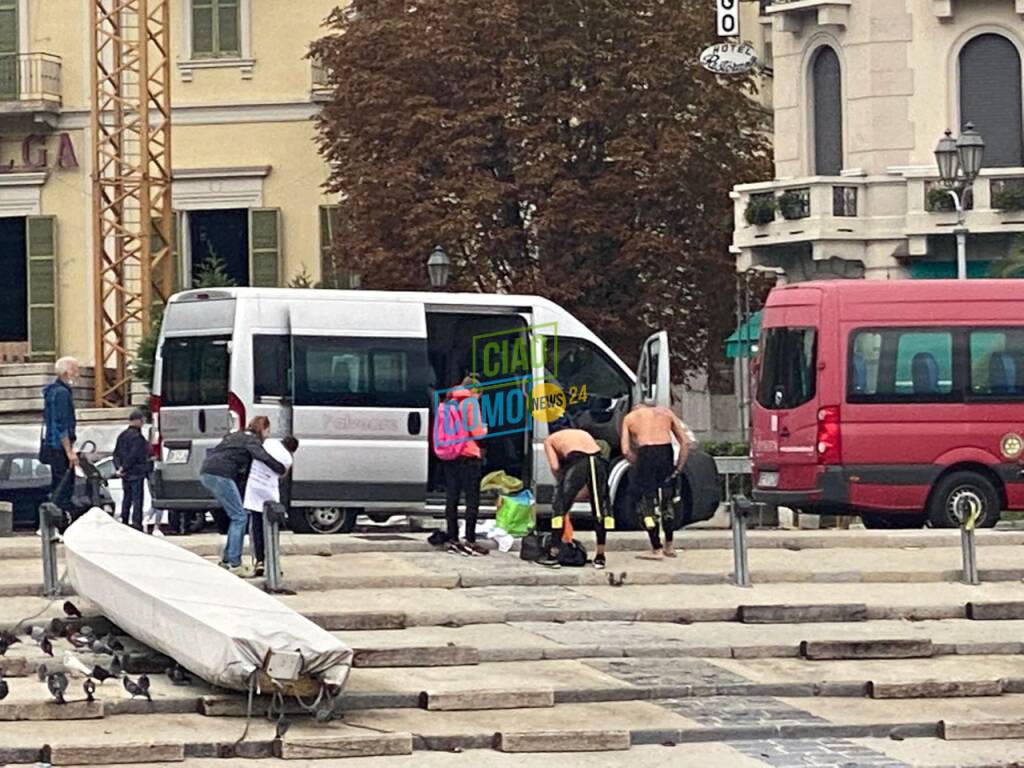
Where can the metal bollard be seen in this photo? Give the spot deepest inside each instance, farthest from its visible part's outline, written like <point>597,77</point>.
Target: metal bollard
<point>968,519</point>
<point>742,507</point>
<point>274,514</point>
<point>50,516</point>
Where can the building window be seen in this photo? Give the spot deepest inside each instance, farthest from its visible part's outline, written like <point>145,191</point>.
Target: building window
<point>990,97</point>
<point>828,113</point>
<point>216,29</point>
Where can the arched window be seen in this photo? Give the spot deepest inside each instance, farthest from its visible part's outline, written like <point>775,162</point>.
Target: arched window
<point>990,97</point>
<point>828,113</point>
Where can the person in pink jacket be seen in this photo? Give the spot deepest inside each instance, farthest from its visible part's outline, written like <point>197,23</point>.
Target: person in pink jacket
<point>460,425</point>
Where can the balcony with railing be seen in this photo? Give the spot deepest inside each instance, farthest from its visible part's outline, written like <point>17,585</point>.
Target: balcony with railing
<point>30,83</point>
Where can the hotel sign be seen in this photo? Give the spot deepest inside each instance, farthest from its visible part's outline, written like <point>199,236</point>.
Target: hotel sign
<point>40,152</point>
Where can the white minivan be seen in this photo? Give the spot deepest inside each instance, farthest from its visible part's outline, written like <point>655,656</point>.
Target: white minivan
<point>355,376</point>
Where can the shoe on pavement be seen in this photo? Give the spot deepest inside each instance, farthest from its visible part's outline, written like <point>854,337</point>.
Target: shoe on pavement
<point>453,548</point>
<point>259,568</point>
<point>241,571</point>
<point>599,562</point>
<point>476,549</point>
<point>549,562</point>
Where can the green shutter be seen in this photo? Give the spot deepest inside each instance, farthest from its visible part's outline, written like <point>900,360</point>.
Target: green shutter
<point>202,28</point>
<point>328,222</point>
<point>41,237</point>
<point>265,247</point>
<point>9,71</point>
<point>228,36</point>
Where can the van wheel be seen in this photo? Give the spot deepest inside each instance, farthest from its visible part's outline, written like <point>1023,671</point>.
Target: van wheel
<point>323,520</point>
<point>956,492</point>
<point>877,521</point>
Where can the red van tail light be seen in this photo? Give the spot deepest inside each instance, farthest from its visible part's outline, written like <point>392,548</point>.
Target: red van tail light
<point>156,441</point>
<point>830,442</point>
<point>236,409</point>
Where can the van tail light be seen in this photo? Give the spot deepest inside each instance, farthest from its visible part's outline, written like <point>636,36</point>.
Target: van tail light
<point>156,441</point>
<point>830,444</point>
<point>236,412</point>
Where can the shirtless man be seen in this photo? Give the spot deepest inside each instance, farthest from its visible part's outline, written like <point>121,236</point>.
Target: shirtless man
<point>649,429</point>
<point>576,461</point>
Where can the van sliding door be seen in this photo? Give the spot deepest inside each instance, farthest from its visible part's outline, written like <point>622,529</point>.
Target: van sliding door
<point>360,404</point>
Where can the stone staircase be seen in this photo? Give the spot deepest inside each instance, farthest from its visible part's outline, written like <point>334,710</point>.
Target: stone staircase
<point>494,662</point>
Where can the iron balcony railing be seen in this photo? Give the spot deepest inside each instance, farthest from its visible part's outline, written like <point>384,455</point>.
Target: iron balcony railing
<point>30,77</point>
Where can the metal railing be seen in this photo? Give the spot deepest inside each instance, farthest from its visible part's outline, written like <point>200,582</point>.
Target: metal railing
<point>30,77</point>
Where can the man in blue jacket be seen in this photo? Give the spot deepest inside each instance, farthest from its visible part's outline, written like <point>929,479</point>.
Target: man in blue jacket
<point>131,457</point>
<point>58,444</point>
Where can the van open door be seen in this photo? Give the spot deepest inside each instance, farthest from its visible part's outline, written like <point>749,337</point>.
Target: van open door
<point>653,373</point>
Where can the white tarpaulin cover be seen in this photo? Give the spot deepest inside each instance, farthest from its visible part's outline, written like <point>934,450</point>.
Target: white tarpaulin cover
<point>208,620</point>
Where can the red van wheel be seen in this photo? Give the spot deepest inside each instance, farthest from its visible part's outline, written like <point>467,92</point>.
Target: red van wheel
<point>957,489</point>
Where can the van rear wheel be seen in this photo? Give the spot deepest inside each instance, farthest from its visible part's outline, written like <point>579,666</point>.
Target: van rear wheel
<point>323,520</point>
<point>956,494</point>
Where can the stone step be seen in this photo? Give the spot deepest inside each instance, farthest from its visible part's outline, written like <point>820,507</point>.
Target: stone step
<point>867,649</point>
<point>35,369</point>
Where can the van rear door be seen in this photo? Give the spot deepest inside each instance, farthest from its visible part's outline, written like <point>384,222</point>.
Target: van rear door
<point>192,382</point>
<point>787,399</point>
<point>360,403</point>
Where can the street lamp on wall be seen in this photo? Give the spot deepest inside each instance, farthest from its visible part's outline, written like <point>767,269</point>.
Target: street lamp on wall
<point>959,162</point>
<point>439,267</point>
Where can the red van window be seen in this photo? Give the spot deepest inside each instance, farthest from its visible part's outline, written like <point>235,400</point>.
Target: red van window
<point>902,365</point>
<point>787,367</point>
<point>997,363</point>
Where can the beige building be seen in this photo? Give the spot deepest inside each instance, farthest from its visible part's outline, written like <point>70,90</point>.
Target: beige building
<point>862,92</point>
<point>243,98</point>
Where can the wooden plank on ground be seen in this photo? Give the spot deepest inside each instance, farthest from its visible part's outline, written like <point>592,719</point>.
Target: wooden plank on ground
<point>428,656</point>
<point>326,747</point>
<point>996,611</point>
<point>563,741</point>
<point>50,710</point>
<point>453,701</point>
<point>108,754</point>
<point>797,614</point>
<point>866,649</point>
<point>935,689</point>
<point>969,731</point>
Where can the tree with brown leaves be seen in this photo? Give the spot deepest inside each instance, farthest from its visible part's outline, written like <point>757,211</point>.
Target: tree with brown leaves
<point>570,148</point>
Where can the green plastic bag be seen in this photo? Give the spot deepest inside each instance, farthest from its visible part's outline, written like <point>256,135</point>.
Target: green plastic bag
<point>516,513</point>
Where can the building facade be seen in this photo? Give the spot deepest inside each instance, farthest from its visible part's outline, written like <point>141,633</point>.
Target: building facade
<point>863,91</point>
<point>247,174</point>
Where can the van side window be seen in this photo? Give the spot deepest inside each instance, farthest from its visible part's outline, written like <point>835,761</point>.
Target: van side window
<point>788,362</point>
<point>901,365</point>
<point>582,364</point>
<point>361,372</point>
<point>997,363</point>
<point>271,361</point>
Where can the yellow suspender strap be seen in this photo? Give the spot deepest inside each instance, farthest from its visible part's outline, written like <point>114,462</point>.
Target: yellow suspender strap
<point>595,492</point>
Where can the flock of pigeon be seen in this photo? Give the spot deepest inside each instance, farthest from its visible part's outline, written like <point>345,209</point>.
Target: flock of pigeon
<point>81,636</point>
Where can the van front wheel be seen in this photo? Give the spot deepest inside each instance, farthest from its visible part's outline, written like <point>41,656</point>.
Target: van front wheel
<point>958,492</point>
<point>323,520</point>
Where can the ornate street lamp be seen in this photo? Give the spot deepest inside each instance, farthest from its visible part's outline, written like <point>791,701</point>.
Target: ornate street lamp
<point>438,267</point>
<point>959,162</point>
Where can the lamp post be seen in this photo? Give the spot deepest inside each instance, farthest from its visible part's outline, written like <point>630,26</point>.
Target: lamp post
<point>959,162</point>
<point>438,267</point>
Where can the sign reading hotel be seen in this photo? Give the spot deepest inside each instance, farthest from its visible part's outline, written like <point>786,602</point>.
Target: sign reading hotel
<point>39,152</point>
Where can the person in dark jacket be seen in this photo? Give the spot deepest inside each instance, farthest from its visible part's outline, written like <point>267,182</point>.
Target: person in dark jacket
<point>227,463</point>
<point>131,458</point>
<point>57,447</point>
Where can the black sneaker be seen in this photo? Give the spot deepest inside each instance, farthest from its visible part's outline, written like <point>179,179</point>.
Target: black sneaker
<point>599,562</point>
<point>453,548</point>
<point>258,569</point>
<point>549,562</point>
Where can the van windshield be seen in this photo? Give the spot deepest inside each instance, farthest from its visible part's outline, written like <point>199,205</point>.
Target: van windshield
<point>788,362</point>
<point>195,370</point>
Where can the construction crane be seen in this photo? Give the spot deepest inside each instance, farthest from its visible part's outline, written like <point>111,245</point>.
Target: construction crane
<point>131,182</point>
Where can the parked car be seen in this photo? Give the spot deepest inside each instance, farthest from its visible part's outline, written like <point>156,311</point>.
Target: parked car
<point>25,482</point>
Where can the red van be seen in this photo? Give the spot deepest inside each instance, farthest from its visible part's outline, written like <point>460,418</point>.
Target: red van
<point>901,401</point>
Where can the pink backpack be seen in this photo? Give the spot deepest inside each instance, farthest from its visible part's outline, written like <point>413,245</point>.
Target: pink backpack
<point>450,433</point>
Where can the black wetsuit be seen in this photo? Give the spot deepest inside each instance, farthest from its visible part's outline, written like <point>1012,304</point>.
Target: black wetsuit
<point>578,470</point>
<point>650,487</point>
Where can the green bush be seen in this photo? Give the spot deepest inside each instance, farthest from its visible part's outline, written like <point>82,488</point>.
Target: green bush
<point>761,209</point>
<point>938,200</point>
<point>1009,198</point>
<point>792,204</point>
<point>726,448</point>
<point>145,354</point>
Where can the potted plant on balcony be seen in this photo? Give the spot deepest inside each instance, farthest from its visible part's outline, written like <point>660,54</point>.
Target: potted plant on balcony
<point>938,200</point>
<point>792,204</point>
<point>1009,198</point>
<point>760,210</point>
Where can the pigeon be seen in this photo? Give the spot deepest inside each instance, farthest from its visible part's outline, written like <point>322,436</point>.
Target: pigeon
<point>100,647</point>
<point>101,674</point>
<point>41,672</point>
<point>8,637</point>
<point>4,688</point>
<point>57,683</point>
<point>282,728</point>
<point>616,582</point>
<point>135,689</point>
<point>36,632</point>
<point>90,688</point>
<point>70,609</point>
<point>116,666</point>
<point>112,642</point>
<point>75,665</point>
<point>4,645</point>
<point>77,641</point>
<point>47,646</point>
<point>177,675</point>
<point>144,684</point>
<point>59,628</point>
<point>86,631</point>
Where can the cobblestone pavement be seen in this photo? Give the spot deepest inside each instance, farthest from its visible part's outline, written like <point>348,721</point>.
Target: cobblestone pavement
<point>825,753</point>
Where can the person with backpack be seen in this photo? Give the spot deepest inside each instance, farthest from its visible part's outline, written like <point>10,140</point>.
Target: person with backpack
<point>458,427</point>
